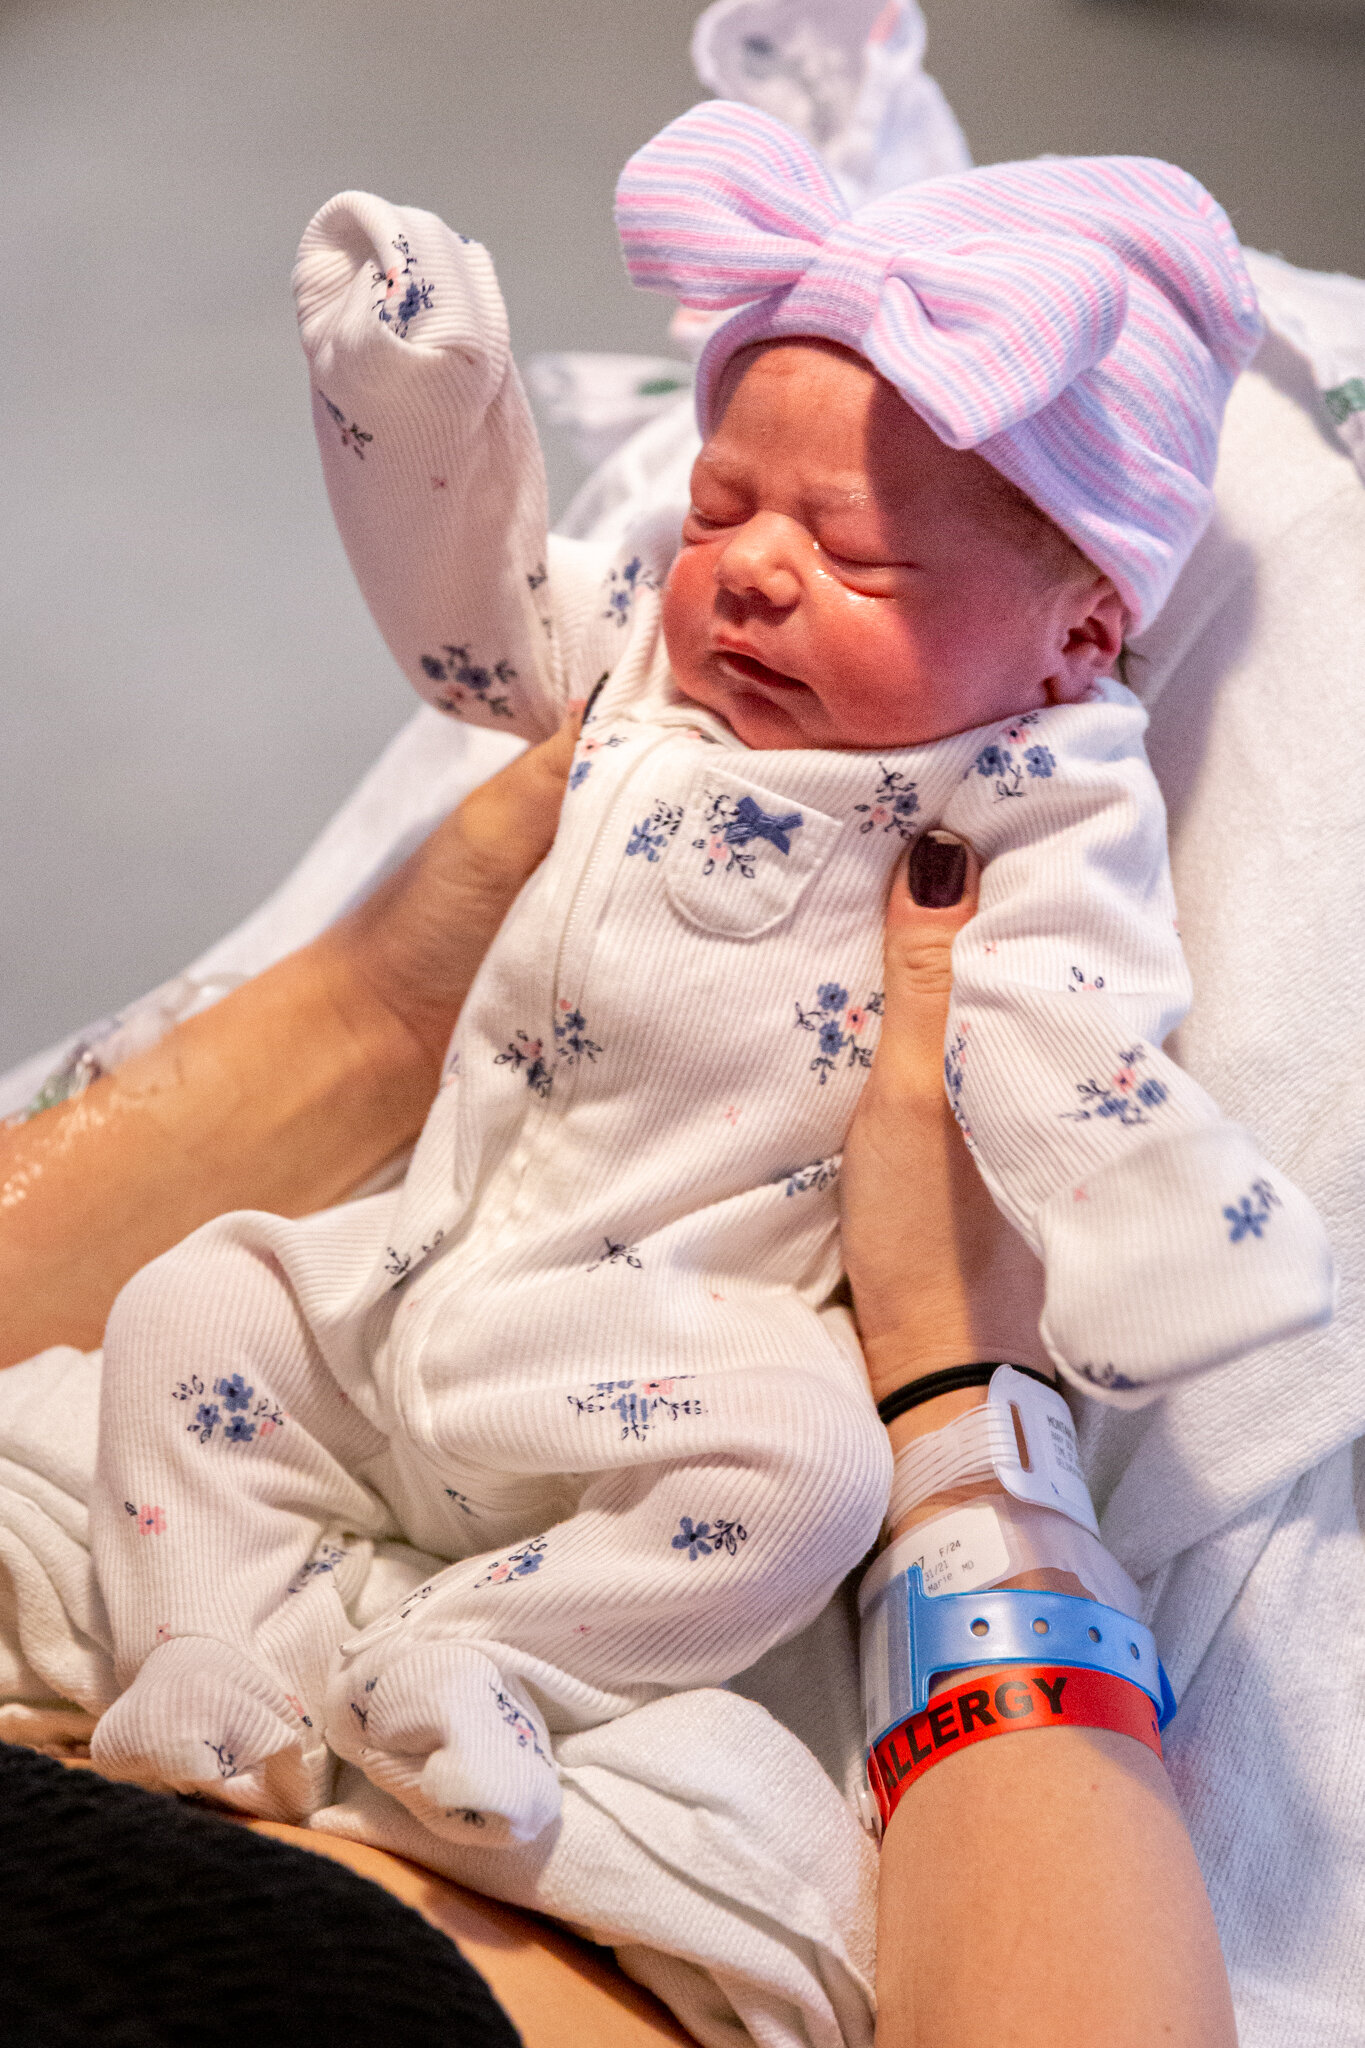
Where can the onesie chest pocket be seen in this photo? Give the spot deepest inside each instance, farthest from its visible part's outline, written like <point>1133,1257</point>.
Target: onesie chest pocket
<point>743,856</point>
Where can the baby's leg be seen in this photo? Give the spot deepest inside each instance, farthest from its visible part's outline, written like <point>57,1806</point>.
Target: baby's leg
<point>222,1525</point>
<point>724,1510</point>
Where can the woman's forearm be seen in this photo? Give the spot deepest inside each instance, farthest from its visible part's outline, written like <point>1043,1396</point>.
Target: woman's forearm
<point>286,1095</point>
<point>283,1096</point>
<point>1042,1891</point>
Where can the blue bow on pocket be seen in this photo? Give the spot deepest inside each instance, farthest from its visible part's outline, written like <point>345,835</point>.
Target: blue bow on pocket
<point>751,821</point>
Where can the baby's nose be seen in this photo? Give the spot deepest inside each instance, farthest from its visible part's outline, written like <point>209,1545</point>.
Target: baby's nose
<point>760,559</point>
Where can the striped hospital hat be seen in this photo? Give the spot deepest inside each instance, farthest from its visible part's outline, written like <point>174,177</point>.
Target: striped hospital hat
<point>1078,321</point>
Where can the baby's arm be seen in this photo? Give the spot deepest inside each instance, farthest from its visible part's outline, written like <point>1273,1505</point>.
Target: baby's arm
<point>1170,1244</point>
<point>431,458</point>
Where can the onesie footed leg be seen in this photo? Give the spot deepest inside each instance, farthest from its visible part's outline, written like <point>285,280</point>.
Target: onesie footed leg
<point>199,1717</point>
<point>462,1747</point>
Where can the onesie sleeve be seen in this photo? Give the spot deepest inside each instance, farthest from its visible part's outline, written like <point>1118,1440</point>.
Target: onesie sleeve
<point>1170,1244</point>
<point>431,459</point>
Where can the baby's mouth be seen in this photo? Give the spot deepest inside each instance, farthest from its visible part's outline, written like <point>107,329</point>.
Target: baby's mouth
<point>748,669</point>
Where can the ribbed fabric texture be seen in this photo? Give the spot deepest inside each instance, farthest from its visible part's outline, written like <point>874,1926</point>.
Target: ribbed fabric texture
<point>135,1922</point>
<point>1078,321</point>
<point>620,1527</point>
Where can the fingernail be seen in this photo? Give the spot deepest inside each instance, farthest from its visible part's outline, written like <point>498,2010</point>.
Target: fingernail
<point>937,873</point>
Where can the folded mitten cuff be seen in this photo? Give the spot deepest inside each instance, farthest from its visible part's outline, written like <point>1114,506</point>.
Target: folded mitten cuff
<point>1178,1258</point>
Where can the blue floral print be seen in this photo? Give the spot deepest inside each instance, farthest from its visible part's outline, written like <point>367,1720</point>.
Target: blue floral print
<point>1108,1375</point>
<point>352,436</point>
<point>528,1053</point>
<point>462,1501</point>
<point>404,295</point>
<point>614,1254</point>
<point>362,1713</point>
<point>651,836</point>
<point>1078,983</point>
<point>1124,1096</point>
<point>466,681</point>
<point>587,747</point>
<point>839,1028</point>
<point>732,826</point>
<point>250,1418</point>
<point>622,586</point>
<point>996,762</point>
<point>325,1559</point>
<point>705,1539</point>
<point>227,1758</point>
<point>812,1179</point>
<point>521,1724</point>
<point>518,1564</point>
<point>638,1404</point>
<point>1251,1214</point>
<point>399,1264</point>
<point>954,1078</point>
<point>572,1042</point>
<point>893,806</point>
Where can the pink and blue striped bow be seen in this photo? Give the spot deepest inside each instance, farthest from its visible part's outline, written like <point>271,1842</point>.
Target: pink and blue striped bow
<point>1078,321</point>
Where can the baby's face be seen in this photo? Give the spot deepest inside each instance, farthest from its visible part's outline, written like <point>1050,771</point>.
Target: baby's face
<point>846,580</point>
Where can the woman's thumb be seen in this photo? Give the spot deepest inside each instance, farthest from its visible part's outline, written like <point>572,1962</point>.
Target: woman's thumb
<point>932,896</point>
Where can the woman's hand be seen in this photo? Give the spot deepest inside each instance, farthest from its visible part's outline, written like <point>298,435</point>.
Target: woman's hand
<point>417,942</point>
<point>938,1276</point>
<point>286,1095</point>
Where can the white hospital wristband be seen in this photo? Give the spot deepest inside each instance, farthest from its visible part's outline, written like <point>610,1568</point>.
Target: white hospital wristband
<point>1023,1436</point>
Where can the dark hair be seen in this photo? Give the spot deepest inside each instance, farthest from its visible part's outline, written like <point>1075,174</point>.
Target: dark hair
<point>1058,558</point>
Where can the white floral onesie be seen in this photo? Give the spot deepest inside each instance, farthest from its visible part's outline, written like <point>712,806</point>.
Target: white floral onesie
<point>578,1358</point>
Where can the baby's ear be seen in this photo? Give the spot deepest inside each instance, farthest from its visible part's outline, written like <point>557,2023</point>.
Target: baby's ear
<point>1091,618</point>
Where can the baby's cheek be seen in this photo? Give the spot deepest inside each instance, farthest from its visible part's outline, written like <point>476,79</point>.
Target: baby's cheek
<point>686,611</point>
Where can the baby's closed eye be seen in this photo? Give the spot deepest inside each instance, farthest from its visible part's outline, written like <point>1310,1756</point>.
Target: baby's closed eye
<point>700,525</point>
<point>871,577</point>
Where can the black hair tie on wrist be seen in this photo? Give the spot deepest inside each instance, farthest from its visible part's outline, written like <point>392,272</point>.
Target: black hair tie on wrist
<point>950,1381</point>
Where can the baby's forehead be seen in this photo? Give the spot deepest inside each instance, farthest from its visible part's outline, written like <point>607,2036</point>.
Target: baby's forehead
<point>813,410</point>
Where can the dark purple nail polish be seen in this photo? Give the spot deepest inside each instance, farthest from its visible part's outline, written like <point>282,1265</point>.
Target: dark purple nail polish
<point>937,873</point>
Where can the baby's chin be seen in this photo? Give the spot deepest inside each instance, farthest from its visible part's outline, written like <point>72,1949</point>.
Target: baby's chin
<point>800,723</point>
<point>767,728</point>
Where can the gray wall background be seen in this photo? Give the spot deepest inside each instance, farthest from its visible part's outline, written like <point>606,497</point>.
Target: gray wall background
<point>189,683</point>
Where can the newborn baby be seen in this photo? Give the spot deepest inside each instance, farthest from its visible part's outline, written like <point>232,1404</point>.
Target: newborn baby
<point>955,443</point>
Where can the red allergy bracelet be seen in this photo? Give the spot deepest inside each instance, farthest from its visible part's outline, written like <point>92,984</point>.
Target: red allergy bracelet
<point>1029,1696</point>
